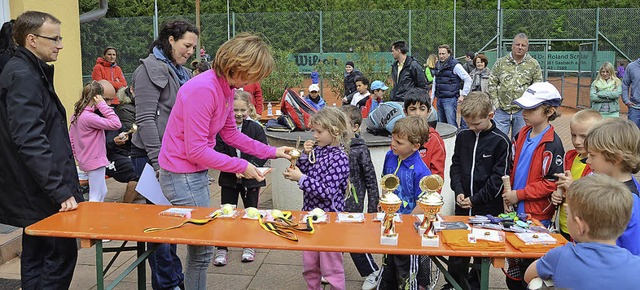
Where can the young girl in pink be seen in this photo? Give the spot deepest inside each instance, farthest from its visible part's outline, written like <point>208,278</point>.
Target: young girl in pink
<point>88,139</point>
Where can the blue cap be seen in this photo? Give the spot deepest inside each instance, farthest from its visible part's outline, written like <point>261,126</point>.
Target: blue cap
<point>378,85</point>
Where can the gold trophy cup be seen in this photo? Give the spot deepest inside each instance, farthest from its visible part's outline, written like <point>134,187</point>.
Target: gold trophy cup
<point>295,154</point>
<point>133,129</point>
<point>389,203</point>
<point>430,202</point>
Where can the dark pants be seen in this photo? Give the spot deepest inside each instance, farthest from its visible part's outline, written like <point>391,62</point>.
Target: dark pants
<point>249,195</point>
<point>230,195</point>
<point>458,267</point>
<point>405,272</point>
<point>120,168</point>
<point>166,268</point>
<point>47,262</point>
<point>364,263</point>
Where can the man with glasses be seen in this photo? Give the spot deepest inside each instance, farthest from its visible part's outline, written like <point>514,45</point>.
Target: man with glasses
<point>38,176</point>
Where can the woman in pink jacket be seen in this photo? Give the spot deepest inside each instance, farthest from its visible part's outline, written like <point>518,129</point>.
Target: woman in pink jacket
<point>87,136</point>
<point>203,109</point>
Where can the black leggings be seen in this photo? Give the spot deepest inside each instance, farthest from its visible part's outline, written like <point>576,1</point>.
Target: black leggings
<point>249,195</point>
<point>230,195</point>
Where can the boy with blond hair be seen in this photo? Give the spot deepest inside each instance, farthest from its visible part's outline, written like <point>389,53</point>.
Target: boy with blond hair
<point>598,210</point>
<point>612,147</point>
<point>575,163</point>
<point>537,157</point>
<point>480,159</point>
<point>433,153</point>
<point>403,160</point>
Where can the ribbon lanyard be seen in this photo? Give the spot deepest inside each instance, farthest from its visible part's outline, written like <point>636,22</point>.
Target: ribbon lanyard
<point>191,221</point>
<point>397,168</point>
<point>272,228</point>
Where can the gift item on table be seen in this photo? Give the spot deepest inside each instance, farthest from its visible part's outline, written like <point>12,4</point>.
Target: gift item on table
<point>348,217</point>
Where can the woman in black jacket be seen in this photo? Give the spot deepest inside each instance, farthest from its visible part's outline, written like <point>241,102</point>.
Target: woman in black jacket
<point>350,75</point>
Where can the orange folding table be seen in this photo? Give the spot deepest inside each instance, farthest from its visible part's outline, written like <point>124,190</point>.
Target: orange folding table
<point>94,221</point>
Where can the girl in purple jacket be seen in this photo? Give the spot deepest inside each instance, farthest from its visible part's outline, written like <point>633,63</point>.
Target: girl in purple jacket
<point>322,173</point>
<point>87,136</point>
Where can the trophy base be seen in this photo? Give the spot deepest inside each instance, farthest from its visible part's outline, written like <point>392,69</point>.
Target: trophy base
<point>430,242</point>
<point>389,241</point>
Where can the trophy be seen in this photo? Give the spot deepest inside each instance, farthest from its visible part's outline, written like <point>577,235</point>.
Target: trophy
<point>133,129</point>
<point>390,203</point>
<point>430,202</point>
<point>295,154</point>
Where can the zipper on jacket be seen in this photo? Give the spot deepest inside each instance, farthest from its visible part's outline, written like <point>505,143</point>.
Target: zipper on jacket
<point>473,164</point>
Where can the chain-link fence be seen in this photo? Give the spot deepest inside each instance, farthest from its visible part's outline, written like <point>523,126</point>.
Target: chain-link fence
<point>610,29</point>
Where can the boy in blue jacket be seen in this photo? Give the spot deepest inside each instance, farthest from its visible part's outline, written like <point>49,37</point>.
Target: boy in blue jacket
<point>403,160</point>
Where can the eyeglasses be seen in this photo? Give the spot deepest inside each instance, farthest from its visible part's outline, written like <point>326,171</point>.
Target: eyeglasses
<point>57,39</point>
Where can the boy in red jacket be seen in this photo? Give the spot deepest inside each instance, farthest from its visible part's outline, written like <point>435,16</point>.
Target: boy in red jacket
<point>537,157</point>
<point>433,153</point>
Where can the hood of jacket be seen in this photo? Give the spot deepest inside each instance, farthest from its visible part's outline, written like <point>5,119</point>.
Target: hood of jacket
<point>103,62</point>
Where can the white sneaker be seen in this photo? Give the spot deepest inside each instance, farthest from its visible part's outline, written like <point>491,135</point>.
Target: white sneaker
<point>371,282</point>
<point>248,255</point>
<point>220,258</point>
<point>323,280</point>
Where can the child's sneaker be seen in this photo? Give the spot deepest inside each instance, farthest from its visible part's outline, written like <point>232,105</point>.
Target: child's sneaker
<point>248,255</point>
<point>371,282</point>
<point>220,258</point>
<point>323,280</point>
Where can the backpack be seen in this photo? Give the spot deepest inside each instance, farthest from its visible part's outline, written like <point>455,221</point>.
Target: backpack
<point>281,124</point>
<point>297,108</point>
<point>381,120</point>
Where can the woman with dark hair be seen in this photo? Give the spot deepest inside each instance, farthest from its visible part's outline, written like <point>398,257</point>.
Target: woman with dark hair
<point>7,46</point>
<point>106,68</point>
<point>480,74</point>
<point>157,81</point>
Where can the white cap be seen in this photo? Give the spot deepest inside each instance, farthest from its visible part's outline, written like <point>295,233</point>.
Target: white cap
<point>538,94</point>
<point>314,87</point>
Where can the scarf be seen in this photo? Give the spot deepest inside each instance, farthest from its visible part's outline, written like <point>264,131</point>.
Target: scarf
<point>605,85</point>
<point>180,71</point>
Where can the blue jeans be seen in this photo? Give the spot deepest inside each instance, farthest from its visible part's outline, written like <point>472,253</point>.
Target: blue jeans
<point>634,116</point>
<point>190,189</point>
<point>505,122</point>
<point>447,110</point>
<point>166,267</point>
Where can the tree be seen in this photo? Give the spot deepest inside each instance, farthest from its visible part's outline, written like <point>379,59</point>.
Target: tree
<point>285,75</point>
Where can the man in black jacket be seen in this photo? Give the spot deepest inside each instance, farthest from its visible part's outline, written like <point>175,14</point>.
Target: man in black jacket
<point>38,175</point>
<point>406,72</point>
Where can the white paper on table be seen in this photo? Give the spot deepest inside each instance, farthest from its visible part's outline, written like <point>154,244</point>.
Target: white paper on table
<point>149,187</point>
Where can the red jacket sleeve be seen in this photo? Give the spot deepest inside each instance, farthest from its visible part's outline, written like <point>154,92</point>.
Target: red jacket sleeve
<point>258,100</point>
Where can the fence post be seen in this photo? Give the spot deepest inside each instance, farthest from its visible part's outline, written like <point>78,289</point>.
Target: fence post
<point>454,28</point>
<point>410,33</point>
<point>320,31</point>
<point>234,24</point>
<point>595,50</point>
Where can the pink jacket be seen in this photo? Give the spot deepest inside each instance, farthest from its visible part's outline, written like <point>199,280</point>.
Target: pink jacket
<point>87,136</point>
<point>204,108</point>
